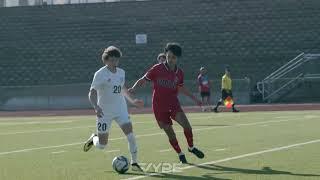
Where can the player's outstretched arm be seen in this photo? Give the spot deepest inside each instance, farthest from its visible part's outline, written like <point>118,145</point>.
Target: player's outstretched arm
<point>141,82</point>
<point>186,92</point>
<point>94,101</point>
<point>136,102</point>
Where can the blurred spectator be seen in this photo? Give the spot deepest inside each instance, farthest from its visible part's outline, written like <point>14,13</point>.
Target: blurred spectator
<point>204,89</point>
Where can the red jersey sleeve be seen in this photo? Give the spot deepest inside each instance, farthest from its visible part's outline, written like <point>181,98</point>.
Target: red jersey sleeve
<point>150,74</point>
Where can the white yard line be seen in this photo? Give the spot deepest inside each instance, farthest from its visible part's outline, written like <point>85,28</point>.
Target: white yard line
<point>46,130</point>
<point>112,151</point>
<point>55,129</point>
<point>38,148</point>
<point>223,149</point>
<point>143,122</point>
<point>146,135</point>
<point>33,122</point>
<point>58,152</point>
<point>165,150</point>
<point>56,122</point>
<point>233,158</point>
<point>267,122</point>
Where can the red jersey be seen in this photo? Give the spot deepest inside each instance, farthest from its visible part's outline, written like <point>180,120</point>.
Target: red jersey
<point>165,86</point>
<point>203,81</point>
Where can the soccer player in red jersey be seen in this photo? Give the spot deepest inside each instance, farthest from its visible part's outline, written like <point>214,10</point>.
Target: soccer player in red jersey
<point>167,81</point>
<point>204,88</point>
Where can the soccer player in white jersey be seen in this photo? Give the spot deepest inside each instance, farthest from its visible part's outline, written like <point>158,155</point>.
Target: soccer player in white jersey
<point>106,95</point>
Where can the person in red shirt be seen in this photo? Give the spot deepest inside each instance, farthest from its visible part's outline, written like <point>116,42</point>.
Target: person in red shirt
<point>167,81</point>
<point>204,88</point>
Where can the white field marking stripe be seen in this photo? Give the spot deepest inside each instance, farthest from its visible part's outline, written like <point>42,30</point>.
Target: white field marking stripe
<point>58,152</point>
<point>53,122</point>
<point>58,122</point>
<point>232,158</point>
<point>143,122</point>
<point>284,117</point>
<point>32,149</point>
<point>246,124</point>
<point>46,130</point>
<point>52,130</point>
<point>112,151</point>
<point>26,119</point>
<point>249,124</point>
<point>165,150</point>
<point>34,122</point>
<point>220,149</point>
<point>137,136</point>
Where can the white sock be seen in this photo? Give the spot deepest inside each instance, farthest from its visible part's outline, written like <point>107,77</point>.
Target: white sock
<point>132,147</point>
<point>181,153</point>
<point>97,144</point>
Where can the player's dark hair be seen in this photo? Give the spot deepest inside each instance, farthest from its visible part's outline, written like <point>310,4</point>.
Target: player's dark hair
<point>111,51</point>
<point>174,48</point>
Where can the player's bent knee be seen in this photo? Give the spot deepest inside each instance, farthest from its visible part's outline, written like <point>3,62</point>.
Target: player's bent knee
<point>170,132</point>
<point>127,128</point>
<point>165,127</point>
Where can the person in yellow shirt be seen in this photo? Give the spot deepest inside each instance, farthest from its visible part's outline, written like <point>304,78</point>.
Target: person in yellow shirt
<point>226,90</point>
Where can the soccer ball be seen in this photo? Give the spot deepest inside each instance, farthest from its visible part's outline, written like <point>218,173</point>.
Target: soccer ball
<point>120,164</point>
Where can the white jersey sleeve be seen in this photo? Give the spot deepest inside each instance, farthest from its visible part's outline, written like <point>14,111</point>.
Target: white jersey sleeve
<point>97,82</point>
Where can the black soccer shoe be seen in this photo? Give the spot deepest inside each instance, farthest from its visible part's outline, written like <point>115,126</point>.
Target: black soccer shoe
<point>196,152</point>
<point>183,159</point>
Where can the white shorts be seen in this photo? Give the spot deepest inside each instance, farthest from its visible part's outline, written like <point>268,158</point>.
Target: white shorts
<point>104,123</point>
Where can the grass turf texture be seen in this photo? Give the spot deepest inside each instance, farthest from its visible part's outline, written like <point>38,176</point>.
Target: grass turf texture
<point>38,148</point>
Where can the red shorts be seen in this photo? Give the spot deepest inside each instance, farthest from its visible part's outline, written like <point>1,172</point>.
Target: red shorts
<point>165,117</point>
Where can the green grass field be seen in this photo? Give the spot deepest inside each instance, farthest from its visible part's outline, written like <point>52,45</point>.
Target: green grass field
<point>249,146</point>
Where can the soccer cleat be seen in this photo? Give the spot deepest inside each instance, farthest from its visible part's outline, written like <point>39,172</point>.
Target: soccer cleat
<point>183,159</point>
<point>196,152</point>
<point>89,143</point>
<point>215,110</point>
<point>136,167</point>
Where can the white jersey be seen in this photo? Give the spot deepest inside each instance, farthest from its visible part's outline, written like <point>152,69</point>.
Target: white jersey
<point>109,87</point>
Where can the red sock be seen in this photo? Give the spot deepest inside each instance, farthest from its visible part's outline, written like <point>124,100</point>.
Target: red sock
<point>174,143</point>
<point>189,136</point>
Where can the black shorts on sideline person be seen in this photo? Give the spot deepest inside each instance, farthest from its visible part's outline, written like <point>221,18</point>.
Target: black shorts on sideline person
<point>205,94</point>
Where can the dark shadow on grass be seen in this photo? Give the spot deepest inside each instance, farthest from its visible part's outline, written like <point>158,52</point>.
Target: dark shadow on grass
<point>187,177</point>
<point>133,173</point>
<point>129,173</point>
<point>265,171</point>
<point>169,176</point>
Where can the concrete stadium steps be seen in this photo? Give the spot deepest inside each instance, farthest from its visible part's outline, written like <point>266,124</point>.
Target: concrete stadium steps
<point>66,41</point>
